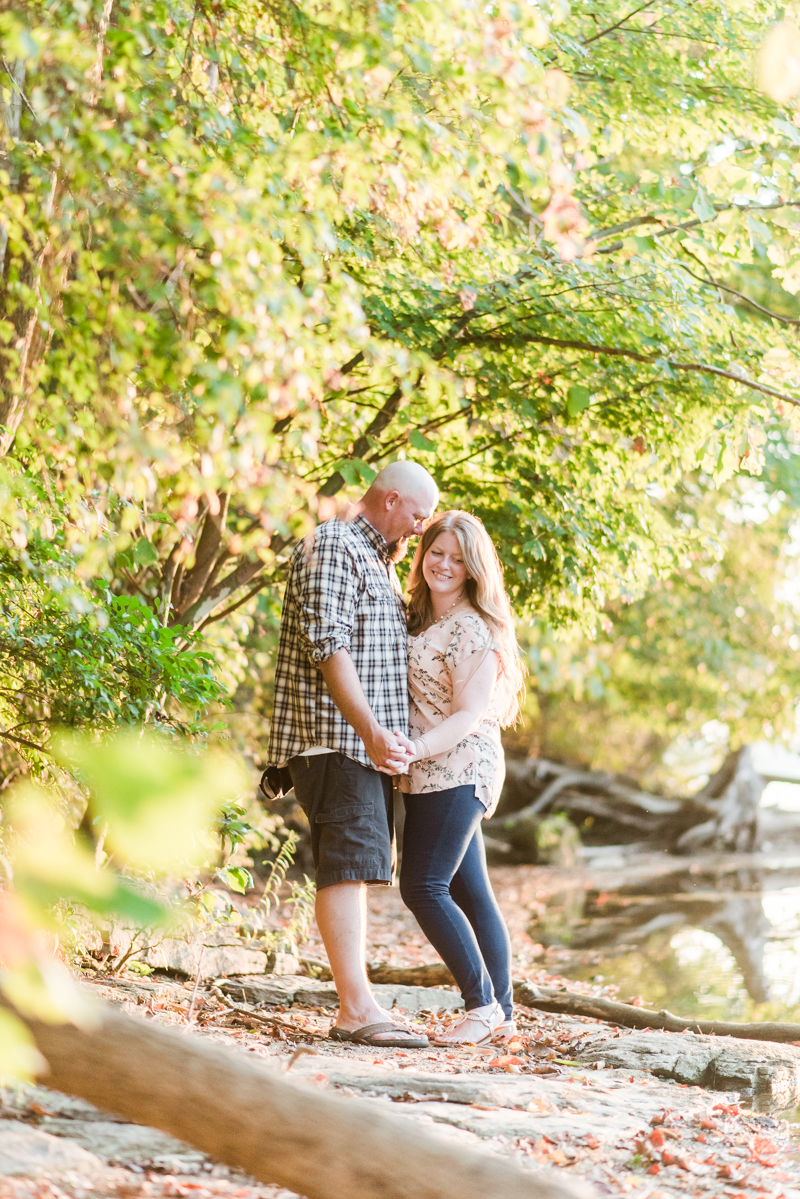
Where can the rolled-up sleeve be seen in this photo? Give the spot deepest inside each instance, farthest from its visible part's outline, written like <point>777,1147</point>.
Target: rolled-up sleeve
<point>323,585</point>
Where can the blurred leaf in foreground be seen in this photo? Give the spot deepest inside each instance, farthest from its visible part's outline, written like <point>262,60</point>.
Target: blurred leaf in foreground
<point>34,981</point>
<point>157,801</point>
<point>158,805</point>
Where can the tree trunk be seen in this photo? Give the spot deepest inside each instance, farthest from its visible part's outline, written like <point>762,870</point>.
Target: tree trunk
<point>734,795</point>
<point>249,1116</point>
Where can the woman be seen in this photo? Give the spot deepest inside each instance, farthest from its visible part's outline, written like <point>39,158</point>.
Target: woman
<point>465,676</point>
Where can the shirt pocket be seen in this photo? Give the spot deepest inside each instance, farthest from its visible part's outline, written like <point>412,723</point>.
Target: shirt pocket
<point>383,619</point>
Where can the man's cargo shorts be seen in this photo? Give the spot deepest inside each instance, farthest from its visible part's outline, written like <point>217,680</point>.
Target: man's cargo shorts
<point>350,811</point>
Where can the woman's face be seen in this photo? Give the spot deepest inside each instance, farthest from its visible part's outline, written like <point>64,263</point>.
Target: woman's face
<point>443,567</point>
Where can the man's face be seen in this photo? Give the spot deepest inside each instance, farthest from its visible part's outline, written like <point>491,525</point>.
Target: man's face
<point>406,518</point>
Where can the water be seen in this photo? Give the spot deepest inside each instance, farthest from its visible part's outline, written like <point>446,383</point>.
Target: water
<point>710,942</point>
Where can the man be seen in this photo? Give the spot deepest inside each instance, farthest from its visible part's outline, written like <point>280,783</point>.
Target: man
<point>341,719</point>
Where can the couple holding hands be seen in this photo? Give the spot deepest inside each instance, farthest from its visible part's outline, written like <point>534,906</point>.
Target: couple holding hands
<point>372,693</point>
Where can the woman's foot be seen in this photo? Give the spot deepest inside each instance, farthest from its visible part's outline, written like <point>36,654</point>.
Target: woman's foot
<point>475,1027</point>
<point>506,1031</point>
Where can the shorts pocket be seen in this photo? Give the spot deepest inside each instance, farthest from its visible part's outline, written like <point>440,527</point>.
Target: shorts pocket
<point>343,812</point>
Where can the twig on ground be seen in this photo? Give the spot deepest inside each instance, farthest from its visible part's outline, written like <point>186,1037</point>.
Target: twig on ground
<point>274,1022</point>
<point>190,1015</point>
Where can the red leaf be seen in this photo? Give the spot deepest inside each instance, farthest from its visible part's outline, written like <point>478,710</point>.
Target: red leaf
<point>654,1169</point>
<point>761,1149</point>
<point>507,1059</point>
<point>657,1138</point>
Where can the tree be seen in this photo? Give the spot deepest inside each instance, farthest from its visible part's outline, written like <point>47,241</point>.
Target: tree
<point>712,646</point>
<point>253,252</point>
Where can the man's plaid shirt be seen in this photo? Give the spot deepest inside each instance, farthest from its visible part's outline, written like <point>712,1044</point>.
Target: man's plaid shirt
<point>341,594</point>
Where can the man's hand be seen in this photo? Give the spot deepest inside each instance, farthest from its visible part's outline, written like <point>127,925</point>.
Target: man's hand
<point>387,751</point>
<point>383,747</point>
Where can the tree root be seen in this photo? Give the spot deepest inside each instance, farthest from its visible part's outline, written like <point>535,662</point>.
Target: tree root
<point>570,1003</point>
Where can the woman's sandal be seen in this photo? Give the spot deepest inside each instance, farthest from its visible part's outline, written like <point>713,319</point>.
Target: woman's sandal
<point>505,1031</point>
<point>369,1035</point>
<point>487,1019</point>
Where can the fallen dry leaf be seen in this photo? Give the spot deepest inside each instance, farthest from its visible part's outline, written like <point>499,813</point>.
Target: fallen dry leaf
<point>762,1149</point>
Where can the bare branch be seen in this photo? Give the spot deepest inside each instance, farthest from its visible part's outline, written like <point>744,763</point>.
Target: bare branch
<point>651,219</point>
<point>622,21</point>
<point>24,741</point>
<point>241,576</point>
<point>211,619</point>
<point>712,282</point>
<point>360,446</point>
<point>622,352</point>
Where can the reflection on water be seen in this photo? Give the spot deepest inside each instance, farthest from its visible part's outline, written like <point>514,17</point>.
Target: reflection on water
<point>710,944</point>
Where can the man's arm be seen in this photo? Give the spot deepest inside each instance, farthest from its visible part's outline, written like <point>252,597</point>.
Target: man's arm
<point>347,693</point>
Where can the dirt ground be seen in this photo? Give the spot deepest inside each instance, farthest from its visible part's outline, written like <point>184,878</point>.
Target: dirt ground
<point>622,1131</point>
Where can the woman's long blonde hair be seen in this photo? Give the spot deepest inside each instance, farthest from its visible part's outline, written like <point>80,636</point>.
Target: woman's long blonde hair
<point>486,594</point>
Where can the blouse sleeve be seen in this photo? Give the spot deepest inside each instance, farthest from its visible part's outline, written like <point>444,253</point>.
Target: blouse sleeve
<point>471,638</point>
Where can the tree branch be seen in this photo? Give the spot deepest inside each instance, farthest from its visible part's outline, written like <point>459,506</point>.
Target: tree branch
<point>712,282</point>
<point>24,741</point>
<point>650,219</point>
<point>622,352</point>
<point>212,618</point>
<point>622,21</point>
<point>196,580</point>
<point>360,446</point>
<point>242,575</point>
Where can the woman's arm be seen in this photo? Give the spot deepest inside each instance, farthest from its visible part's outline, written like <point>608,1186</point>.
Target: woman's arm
<point>472,693</point>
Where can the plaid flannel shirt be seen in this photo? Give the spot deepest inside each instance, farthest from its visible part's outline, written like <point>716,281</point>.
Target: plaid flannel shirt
<point>341,594</point>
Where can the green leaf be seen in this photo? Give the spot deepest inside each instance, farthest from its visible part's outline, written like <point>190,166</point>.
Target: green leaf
<point>158,799</point>
<point>144,552</point>
<point>348,472</point>
<point>578,398</point>
<point>421,442</point>
<point>535,548</point>
<point>702,208</point>
<point>788,130</point>
<point>363,469</point>
<point>236,877</point>
<point>19,1056</point>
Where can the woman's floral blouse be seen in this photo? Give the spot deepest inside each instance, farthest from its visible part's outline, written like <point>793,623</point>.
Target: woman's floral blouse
<point>478,759</point>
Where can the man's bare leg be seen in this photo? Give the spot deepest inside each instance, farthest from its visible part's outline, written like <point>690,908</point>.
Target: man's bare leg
<point>341,911</point>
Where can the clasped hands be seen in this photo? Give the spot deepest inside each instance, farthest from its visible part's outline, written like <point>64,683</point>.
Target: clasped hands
<point>392,753</point>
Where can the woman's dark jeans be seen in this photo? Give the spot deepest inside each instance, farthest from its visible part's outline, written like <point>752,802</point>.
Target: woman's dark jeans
<point>444,881</point>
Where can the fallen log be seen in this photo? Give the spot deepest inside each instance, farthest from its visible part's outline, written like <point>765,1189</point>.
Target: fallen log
<point>571,1003</point>
<point>431,974</point>
<point>250,1117</point>
<point>724,816</point>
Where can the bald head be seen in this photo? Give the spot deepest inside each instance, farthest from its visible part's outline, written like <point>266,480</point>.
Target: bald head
<point>400,499</point>
<point>408,479</point>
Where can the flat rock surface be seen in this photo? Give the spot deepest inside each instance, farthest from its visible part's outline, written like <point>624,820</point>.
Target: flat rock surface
<point>209,953</point>
<point>273,990</point>
<point>763,1070</point>
<point>27,1152</point>
<point>584,1103</point>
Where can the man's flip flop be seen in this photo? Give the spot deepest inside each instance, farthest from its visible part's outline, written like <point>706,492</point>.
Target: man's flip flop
<point>406,1038</point>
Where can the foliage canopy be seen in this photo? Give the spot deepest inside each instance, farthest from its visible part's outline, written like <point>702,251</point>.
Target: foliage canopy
<point>253,251</point>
